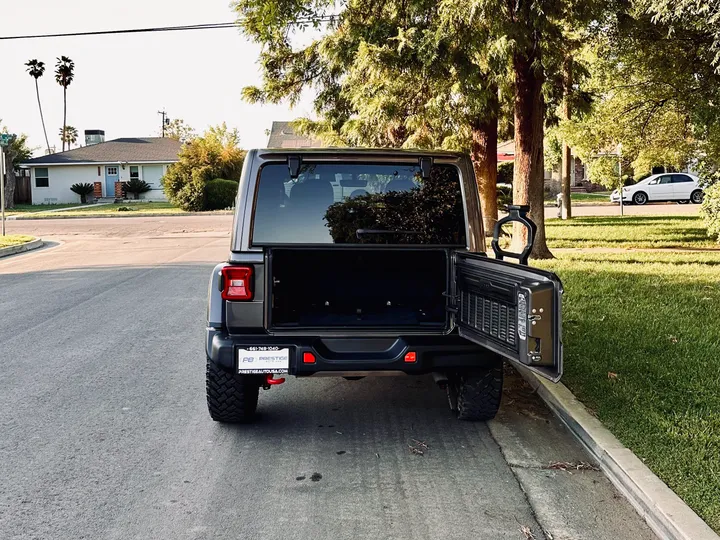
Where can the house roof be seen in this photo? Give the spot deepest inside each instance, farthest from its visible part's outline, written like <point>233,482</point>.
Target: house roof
<point>282,135</point>
<point>144,149</point>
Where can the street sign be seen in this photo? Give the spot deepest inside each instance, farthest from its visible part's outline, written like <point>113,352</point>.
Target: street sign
<point>5,139</point>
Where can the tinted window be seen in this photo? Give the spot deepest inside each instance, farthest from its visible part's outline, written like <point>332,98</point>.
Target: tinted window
<point>681,178</point>
<point>358,204</point>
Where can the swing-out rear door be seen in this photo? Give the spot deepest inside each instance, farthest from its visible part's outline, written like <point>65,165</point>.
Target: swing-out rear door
<point>511,309</point>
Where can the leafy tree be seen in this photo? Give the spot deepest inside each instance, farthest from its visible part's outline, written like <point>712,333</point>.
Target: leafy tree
<point>216,154</point>
<point>64,75</point>
<point>68,135</point>
<point>83,189</point>
<point>424,73</point>
<point>403,75</point>
<point>177,129</point>
<point>661,116</point>
<point>16,152</point>
<point>36,69</point>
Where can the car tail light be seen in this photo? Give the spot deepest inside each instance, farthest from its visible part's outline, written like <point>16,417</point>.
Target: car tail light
<point>410,357</point>
<point>308,358</point>
<point>237,283</point>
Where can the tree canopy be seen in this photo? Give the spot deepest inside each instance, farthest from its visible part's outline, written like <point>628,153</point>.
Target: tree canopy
<point>177,129</point>
<point>216,154</point>
<point>456,73</point>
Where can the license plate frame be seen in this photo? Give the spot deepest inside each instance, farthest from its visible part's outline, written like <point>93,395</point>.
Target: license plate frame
<point>261,360</point>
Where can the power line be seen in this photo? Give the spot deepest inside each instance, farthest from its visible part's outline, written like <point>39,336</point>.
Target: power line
<point>207,26</point>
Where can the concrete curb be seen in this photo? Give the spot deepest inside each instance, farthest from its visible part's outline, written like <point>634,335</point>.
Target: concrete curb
<point>21,248</point>
<point>666,514</point>
<point>125,215</point>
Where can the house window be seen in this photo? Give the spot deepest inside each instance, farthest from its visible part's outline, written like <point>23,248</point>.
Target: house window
<point>42,178</point>
<point>134,173</point>
<point>112,171</point>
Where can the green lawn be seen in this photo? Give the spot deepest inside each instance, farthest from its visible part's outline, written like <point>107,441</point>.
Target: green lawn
<point>642,351</point>
<point>26,208</point>
<point>642,342</point>
<point>135,208</point>
<point>14,240</point>
<point>629,232</point>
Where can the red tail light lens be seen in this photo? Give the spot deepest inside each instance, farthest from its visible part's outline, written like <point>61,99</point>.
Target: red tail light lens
<point>237,283</point>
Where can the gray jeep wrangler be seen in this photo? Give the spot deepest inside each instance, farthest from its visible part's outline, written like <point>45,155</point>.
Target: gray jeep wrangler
<point>350,262</point>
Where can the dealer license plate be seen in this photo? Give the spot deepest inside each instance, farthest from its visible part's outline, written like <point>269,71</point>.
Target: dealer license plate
<point>258,360</point>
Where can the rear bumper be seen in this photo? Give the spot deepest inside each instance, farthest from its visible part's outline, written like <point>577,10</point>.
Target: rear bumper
<point>347,356</point>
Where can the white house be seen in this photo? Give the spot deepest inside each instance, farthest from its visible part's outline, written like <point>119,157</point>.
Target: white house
<point>103,165</point>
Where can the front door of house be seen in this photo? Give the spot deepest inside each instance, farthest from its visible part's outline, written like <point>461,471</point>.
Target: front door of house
<point>112,175</point>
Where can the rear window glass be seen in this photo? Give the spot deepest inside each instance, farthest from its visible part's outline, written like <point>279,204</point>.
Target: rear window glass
<point>335,203</point>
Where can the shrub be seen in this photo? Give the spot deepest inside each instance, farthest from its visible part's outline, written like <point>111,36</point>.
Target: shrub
<point>220,194</point>
<point>504,196</point>
<point>710,210</point>
<point>83,190</point>
<point>214,155</point>
<point>505,172</point>
<point>136,187</point>
<point>125,209</point>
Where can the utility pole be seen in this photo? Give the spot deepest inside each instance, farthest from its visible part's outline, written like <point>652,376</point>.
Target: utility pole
<point>620,189</point>
<point>2,184</point>
<point>165,121</point>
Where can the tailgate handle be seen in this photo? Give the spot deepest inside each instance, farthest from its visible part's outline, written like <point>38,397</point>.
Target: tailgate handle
<point>515,213</point>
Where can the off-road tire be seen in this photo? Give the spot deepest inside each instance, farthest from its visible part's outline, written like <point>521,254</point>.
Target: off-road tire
<point>475,395</point>
<point>231,398</point>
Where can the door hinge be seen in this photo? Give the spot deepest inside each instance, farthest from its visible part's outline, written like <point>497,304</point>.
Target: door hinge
<point>453,300</point>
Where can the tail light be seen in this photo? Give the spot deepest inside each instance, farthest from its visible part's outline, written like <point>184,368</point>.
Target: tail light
<point>237,283</point>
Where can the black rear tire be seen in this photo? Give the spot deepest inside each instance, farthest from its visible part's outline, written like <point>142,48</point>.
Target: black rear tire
<point>231,398</point>
<point>475,395</point>
<point>696,197</point>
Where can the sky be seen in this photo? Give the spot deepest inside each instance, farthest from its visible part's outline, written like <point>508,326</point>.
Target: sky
<point>121,82</point>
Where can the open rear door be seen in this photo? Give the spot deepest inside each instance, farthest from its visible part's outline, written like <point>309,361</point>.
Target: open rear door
<point>511,309</point>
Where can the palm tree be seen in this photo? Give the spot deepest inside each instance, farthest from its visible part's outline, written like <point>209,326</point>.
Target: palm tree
<point>68,135</point>
<point>36,69</point>
<point>64,74</point>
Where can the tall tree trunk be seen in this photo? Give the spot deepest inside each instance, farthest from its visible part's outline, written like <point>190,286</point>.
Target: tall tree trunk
<point>484,156</point>
<point>64,116</point>
<point>566,212</point>
<point>528,178</point>
<point>10,156</point>
<point>42,118</point>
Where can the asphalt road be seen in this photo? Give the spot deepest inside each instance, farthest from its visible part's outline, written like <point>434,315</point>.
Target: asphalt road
<point>104,432</point>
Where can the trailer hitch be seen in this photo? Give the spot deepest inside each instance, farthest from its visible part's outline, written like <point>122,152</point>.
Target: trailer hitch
<point>269,381</point>
<point>515,213</point>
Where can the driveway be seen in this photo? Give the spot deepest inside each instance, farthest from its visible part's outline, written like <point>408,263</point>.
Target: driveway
<point>105,433</point>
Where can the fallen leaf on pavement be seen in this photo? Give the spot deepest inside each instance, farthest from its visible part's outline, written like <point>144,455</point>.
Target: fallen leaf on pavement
<point>527,532</point>
<point>577,466</point>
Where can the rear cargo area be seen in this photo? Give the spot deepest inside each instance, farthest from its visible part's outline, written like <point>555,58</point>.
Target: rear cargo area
<point>358,287</point>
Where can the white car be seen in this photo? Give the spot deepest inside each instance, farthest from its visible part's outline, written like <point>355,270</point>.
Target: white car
<point>679,187</point>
